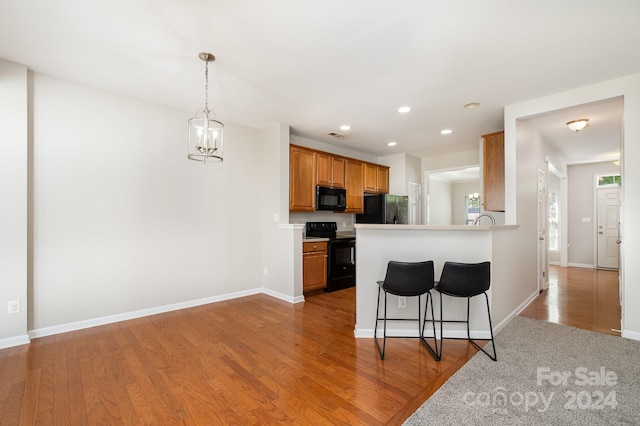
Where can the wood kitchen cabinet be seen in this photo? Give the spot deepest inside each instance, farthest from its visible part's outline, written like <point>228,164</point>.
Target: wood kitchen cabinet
<point>354,184</point>
<point>376,178</point>
<point>493,172</point>
<point>314,266</point>
<point>309,167</point>
<point>330,170</point>
<point>302,179</point>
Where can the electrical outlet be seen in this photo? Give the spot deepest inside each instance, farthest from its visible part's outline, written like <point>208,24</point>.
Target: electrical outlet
<point>402,302</point>
<point>13,307</point>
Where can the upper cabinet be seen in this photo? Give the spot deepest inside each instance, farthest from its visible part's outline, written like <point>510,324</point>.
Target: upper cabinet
<point>493,171</point>
<point>309,167</point>
<point>354,182</point>
<point>330,170</point>
<point>302,179</point>
<point>376,178</point>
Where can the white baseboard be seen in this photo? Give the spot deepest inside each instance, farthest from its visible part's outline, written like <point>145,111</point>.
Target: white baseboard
<point>633,335</point>
<point>15,341</point>
<point>94,322</point>
<point>448,334</point>
<point>283,296</point>
<point>581,265</point>
<point>515,312</point>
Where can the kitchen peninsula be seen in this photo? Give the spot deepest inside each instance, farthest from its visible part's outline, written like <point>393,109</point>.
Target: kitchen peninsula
<point>378,244</point>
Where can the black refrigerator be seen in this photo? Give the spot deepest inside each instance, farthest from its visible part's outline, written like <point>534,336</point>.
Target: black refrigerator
<point>384,208</point>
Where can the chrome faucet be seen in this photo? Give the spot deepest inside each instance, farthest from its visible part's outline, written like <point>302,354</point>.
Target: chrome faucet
<point>477,220</point>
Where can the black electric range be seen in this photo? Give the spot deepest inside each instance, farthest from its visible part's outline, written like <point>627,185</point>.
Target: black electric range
<point>341,265</point>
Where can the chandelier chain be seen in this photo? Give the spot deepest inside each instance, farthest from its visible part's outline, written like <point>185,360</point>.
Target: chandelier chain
<point>206,87</point>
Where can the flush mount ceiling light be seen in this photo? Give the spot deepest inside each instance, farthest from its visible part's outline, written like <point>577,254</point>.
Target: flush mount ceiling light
<point>205,133</point>
<point>446,132</point>
<point>345,127</point>
<point>404,109</point>
<point>577,125</point>
<point>392,143</point>
<point>472,105</point>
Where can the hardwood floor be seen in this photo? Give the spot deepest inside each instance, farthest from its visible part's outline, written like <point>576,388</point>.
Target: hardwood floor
<point>255,360</point>
<point>579,297</point>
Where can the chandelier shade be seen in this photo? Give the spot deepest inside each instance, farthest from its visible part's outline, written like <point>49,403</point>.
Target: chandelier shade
<point>205,132</point>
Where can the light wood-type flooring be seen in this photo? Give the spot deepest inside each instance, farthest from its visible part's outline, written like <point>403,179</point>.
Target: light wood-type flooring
<point>579,297</point>
<point>254,360</point>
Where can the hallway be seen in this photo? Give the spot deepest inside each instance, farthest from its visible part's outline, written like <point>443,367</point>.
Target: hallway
<point>579,297</point>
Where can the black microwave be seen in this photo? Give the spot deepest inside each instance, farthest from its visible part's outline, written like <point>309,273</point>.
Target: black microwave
<point>331,198</point>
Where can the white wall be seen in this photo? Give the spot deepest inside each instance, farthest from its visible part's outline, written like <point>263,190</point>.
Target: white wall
<point>281,243</point>
<point>629,88</point>
<point>581,188</point>
<point>13,210</point>
<point>403,168</point>
<point>452,160</point>
<point>321,146</point>
<point>440,202</point>
<point>123,221</point>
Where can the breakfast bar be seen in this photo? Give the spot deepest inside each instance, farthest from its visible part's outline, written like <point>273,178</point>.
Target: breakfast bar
<point>378,244</point>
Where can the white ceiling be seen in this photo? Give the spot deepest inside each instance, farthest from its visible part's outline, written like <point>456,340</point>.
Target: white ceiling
<point>318,65</point>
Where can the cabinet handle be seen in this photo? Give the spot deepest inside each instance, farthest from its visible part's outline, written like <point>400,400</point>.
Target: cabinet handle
<point>315,246</point>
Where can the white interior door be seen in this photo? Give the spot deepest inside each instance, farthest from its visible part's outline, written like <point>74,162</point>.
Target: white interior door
<point>608,227</point>
<point>543,216</point>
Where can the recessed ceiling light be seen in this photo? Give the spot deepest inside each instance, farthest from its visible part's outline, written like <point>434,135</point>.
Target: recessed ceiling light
<point>404,109</point>
<point>345,127</point>
<point>446,132</point>
<point>472,105</point>
<point>392,143</point>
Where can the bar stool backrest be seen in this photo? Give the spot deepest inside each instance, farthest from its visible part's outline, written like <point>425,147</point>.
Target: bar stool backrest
<point>409,278</point>
<point>465,279</point>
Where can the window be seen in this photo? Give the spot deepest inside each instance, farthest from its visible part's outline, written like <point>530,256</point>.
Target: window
<point>472,207</point>
<point>553,221</point>
<point>609,180</point>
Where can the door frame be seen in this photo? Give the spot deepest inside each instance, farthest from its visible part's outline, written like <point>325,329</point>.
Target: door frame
<point>542,277</point>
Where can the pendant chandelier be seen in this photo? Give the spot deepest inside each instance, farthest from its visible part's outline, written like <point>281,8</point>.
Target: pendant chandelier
<point>205,132</point>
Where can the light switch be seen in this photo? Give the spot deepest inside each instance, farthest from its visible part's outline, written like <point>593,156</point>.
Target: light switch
<point>586,220</point>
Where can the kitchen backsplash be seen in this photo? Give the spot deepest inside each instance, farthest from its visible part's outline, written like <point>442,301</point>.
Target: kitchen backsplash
<point>344,221</point>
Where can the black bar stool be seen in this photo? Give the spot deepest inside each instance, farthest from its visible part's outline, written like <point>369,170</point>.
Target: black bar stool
<point>466,280</point>
<point>407,279</point>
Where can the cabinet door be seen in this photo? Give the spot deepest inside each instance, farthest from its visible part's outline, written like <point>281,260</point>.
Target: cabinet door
<point>330,170</point>
<point>314,271</point>
<point>354,184</point>
<point>302,179</point>
<point>493,172</point>
<point>324,164</point>
<point>370,178</point>
<point>383,180</point>
<point>338,172</point>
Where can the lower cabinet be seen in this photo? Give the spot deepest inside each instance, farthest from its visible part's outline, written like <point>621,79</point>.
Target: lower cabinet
<point>314,266</point>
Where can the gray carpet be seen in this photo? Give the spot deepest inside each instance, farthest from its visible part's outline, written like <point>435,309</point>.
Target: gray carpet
<point>546,374</point>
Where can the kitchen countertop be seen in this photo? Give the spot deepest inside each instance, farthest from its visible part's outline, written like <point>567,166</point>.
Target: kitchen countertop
<point>314,240</point>
<point>399,227</point>
<point>339,234</point>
